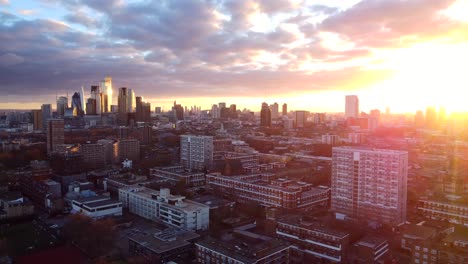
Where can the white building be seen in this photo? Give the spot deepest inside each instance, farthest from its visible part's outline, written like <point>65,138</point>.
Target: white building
<point>171,209</point>
<point>97,206</point>
<point>196,152</point>
<point>352,106</point>
<point>369,184</point>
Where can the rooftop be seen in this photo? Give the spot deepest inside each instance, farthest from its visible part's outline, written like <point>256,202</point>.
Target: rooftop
<point>313,225</point>
<point>162,240</point>
<point>371,241</point>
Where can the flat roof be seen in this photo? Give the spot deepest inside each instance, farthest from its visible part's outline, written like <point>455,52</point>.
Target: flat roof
<point>365,149</point>
<point>372,241</point>
<point>313,225</point>
<point>163,240</point>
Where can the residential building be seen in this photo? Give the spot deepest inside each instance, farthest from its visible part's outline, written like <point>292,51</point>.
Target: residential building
<point>55,134</point>
<point>330,139</point>
<point>94,155</point>
<point>161,205</point>
<point>450,211</point>
<point>37,119</point>
<point>369,184</point>
<point>265,190</point>
<point>301,118</point>
<point>177,174</point>
<point>129,149</point>
<point>372,249</point>
<point>14,205</point>
<point>196,152</point>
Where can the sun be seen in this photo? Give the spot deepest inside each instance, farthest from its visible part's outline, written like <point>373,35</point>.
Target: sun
<point>429,74</point>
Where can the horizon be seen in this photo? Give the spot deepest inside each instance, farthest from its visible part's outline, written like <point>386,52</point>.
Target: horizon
<point>405,55</point>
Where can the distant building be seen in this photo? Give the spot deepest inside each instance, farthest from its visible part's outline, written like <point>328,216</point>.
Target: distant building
<point>372,249</point>
<point>37,119</point>
<point>196,152</point>
<point>370,184</point>
<point>55,134</point>
<point>445,210</point>
<point>265,116</point>
<point>46,110</point>
<point>274,108</point>
<point>301,118</point>
<point>285,109</point>
<point>161,205</point>
<point>62,104</point>
<point>94,155</point>
<point>330,139</point>
<point>14,205</point>
<point>111,150</point>
<point>129,149</point>
<point>352,106</point>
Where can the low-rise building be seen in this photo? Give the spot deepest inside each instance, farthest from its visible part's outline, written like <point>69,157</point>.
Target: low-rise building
<point>314,241</point>
<point>265,190</point>
<point>97,206</point>
<point>161,205</point>
<point>14,205</point>
<point>177,174</point>
<point>450,211</point>
<point>372,249</point>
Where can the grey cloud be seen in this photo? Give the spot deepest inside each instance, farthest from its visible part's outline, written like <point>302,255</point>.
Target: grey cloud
<point>10,59</point>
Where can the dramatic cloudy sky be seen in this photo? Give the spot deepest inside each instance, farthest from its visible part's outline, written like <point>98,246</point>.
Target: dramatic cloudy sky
<point>396,53</point>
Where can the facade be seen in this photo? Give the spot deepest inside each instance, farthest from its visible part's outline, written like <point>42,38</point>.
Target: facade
<point>94,155</point>
<point>129,149</point>
<point>312,240</point>
<point>453,212</point>
<point>55,134</point>
<point>260,188</point>
<point>111,150</point>
<point>161,205</point>
<point>274,108</point>
<point>352,106</point>
<point>46,110</point>
<point>177,174</point>
<point>97,206</point>
<point>301,118</point>
<point>369,184</point>
<point>330,139</point>
<point>37,119</point>
<point>76,104</point>
<point>62,104</point>
<point>196,152</point>
<point>265,115</point>
<point>285,109</point>
<point>13,205</point>
<point>372,249</point>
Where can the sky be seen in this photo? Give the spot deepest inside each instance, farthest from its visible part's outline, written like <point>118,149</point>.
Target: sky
<point>401,54</point>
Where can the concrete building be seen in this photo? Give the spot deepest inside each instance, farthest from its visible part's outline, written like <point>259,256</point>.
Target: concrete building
<point>372,249</point>
<point>97,206</point>
<point>301,118</point>
<point>242,247</point>
<point>129,149</point>
<point>265,116</point>
<point>14,205</point>
<point>94,155</point>
<point>330,139</point>
<point>314,241</point>
<point>161,205</point>
<point>177,174</point>
<point>370,184</point>
<point>352,106</point>
<point>55,134</point>
<point>111,149</point>
<point>46,110</point>
<point>261,188</point>
<point>274,108</point>
<point>37,119</point>
<point>163,245</point>
<point>450,211</point>
<point>196,152</point>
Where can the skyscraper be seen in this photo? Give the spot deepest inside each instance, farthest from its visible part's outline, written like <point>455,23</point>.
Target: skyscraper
<point>130,101</point>
<point>76,105</point>
<point>143,110</point>
<point>82,100</point>
<point>62,104</point>
<point>301,118</point>
<point>46,110</point>
<point>196,152</point>
<point>107,93</point>
<point>37,119</point>
<point>96,96</point>
<point>265,116</point>
<point>285,109</point>
<point>123,105</point>
<point>352,106</point>
<point>369,184</point>
<point>55,134</point>
<point>274,111</point>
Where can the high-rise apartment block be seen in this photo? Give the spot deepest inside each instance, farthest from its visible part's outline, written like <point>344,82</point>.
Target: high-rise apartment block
<point>369,184</point>
<point>196,152</point>
<point>265,116</point>
<point>37,119</point>
<point>55,134</point>
<point>352,106</point>
<point>285,109</point>
<point>129,149</point>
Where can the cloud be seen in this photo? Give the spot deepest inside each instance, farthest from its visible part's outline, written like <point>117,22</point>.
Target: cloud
<point>4,2</point>
<point>27,12</point>
<point>10,59</point>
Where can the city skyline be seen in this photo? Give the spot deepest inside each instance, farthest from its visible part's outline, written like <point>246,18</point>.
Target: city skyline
<point>306,55</point>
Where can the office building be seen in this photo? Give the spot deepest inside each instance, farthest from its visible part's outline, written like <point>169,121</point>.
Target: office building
<point>301,118</point>
<point>161,205</point>
<point>196,152</point>
<point>107,93</point>
<point>143,110</point>
<point>62,104</point>
<point>285,109</point>
<point>352,106</point>
<point>265,115</point>
<point>215,111</point>
<point>55,134</point>
<point>46,110</point>
<point>369,184</point>
<point>78,109</point>
<point>268,192</point>
<point>37,119</point>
